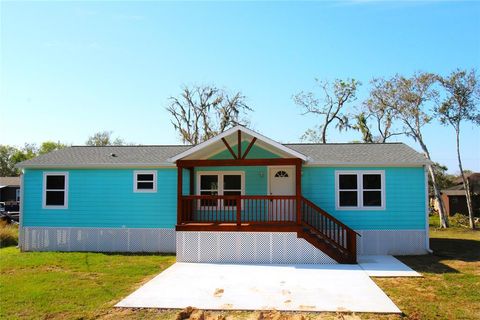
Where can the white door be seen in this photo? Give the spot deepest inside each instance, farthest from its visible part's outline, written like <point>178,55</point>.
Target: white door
<point>282,183</point>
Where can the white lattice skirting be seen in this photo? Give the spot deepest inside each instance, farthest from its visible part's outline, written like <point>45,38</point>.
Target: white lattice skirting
<point>247,247</point>
<point>98,239</point>
<point>226,247</point>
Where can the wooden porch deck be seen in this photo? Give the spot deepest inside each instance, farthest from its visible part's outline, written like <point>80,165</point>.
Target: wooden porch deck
<point>244,226</point>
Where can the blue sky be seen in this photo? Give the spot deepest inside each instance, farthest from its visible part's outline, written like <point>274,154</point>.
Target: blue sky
<point>69,69</point>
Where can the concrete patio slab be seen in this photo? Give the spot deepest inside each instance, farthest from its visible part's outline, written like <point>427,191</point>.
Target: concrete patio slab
<point>385,266</point>
<point>263,287</point>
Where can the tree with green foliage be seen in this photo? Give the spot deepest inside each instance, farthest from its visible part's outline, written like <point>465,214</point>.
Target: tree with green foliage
<point>406,100</point>
<point>10,156</point>
<point>104,138</point>
<point>444,180</point>
<point>202,112</point>
<point>362,126</point>
<point>460,105</point>
<point>49,146</point>
<point>330,106</point>
<point>7,164</point>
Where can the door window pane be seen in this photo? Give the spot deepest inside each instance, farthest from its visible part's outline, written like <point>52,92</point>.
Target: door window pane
<point>209,182</point>
<point>232,182</point>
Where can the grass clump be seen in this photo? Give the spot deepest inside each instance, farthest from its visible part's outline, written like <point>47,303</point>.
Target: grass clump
<point>8,234</point>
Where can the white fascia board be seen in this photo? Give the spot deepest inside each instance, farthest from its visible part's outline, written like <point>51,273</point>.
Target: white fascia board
<point>231,131</point>
<point>363,164</point>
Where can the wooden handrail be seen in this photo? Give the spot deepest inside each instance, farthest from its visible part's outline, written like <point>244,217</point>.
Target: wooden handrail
<point>329,216</point>
<point>336,233</point>
<point>233,197</point>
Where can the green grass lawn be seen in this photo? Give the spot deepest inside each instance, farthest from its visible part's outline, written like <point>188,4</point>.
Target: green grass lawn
<point>70,285</point>
<point>43,285</point>
<point>450,288</point>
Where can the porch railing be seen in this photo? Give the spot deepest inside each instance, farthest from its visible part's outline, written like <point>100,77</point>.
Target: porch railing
<point>327,227</point>
<point>310,221</point>
<point>238,209</point>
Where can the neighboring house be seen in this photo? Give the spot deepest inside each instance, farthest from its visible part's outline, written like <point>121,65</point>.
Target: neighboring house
<point>455,200</point>
<point>10,192</point>
<point>224,201</point>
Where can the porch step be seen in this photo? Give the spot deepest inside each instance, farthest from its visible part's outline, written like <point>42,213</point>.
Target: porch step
<point>325,245</point>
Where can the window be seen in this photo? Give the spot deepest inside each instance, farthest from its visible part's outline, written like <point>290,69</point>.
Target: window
<point>145,181</point>
<point>281,174</point>
<point>224,183</point>
<point>17,195</point>
<point>208,187</point>
<point>232,185</point>
<point>360,190</point>
<point>55,190</point>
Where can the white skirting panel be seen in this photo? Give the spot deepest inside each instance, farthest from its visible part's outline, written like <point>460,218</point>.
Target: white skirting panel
<point>247,247</point>
<point>392,242</point>
<point>225,247</point>
<point>98,239</point>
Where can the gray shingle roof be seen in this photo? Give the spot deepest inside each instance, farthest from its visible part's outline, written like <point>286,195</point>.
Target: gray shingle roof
<point>9,181</point>
<point>138,156</point>
<point>360,153</point>
<point>122,156</point>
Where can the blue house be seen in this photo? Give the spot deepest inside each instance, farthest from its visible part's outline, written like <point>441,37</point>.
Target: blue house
<point>238,197</point>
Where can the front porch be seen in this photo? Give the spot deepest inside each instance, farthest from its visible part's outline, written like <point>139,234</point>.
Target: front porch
<point>212,198</point>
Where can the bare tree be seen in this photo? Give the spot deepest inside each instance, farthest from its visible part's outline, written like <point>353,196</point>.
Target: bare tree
<point>202,112</point>
<point>460,105</point>
<point>330,106</point>
<point>104,138</point>
<point>379,113</point>
<point>405,99</point>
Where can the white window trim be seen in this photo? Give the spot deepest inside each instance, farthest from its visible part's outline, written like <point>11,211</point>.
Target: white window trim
<point>44,190</point>
<point>220,189</point>
<point>135,181</point>
<point>359,190</point>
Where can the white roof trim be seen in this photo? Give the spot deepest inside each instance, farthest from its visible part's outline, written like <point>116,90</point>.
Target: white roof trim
<point>364,164</point>
<point>98,165</point>
<point>230,131</point>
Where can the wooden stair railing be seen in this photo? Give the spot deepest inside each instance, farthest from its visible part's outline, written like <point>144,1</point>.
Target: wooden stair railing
<point>327,233</point>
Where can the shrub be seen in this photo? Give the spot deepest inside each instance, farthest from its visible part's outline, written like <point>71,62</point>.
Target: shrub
<point>8,234</point>
<point>459,220</point>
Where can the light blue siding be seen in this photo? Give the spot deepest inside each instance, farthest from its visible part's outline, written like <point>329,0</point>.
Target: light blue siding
<point>405,198</point>
<point>104,198</point>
